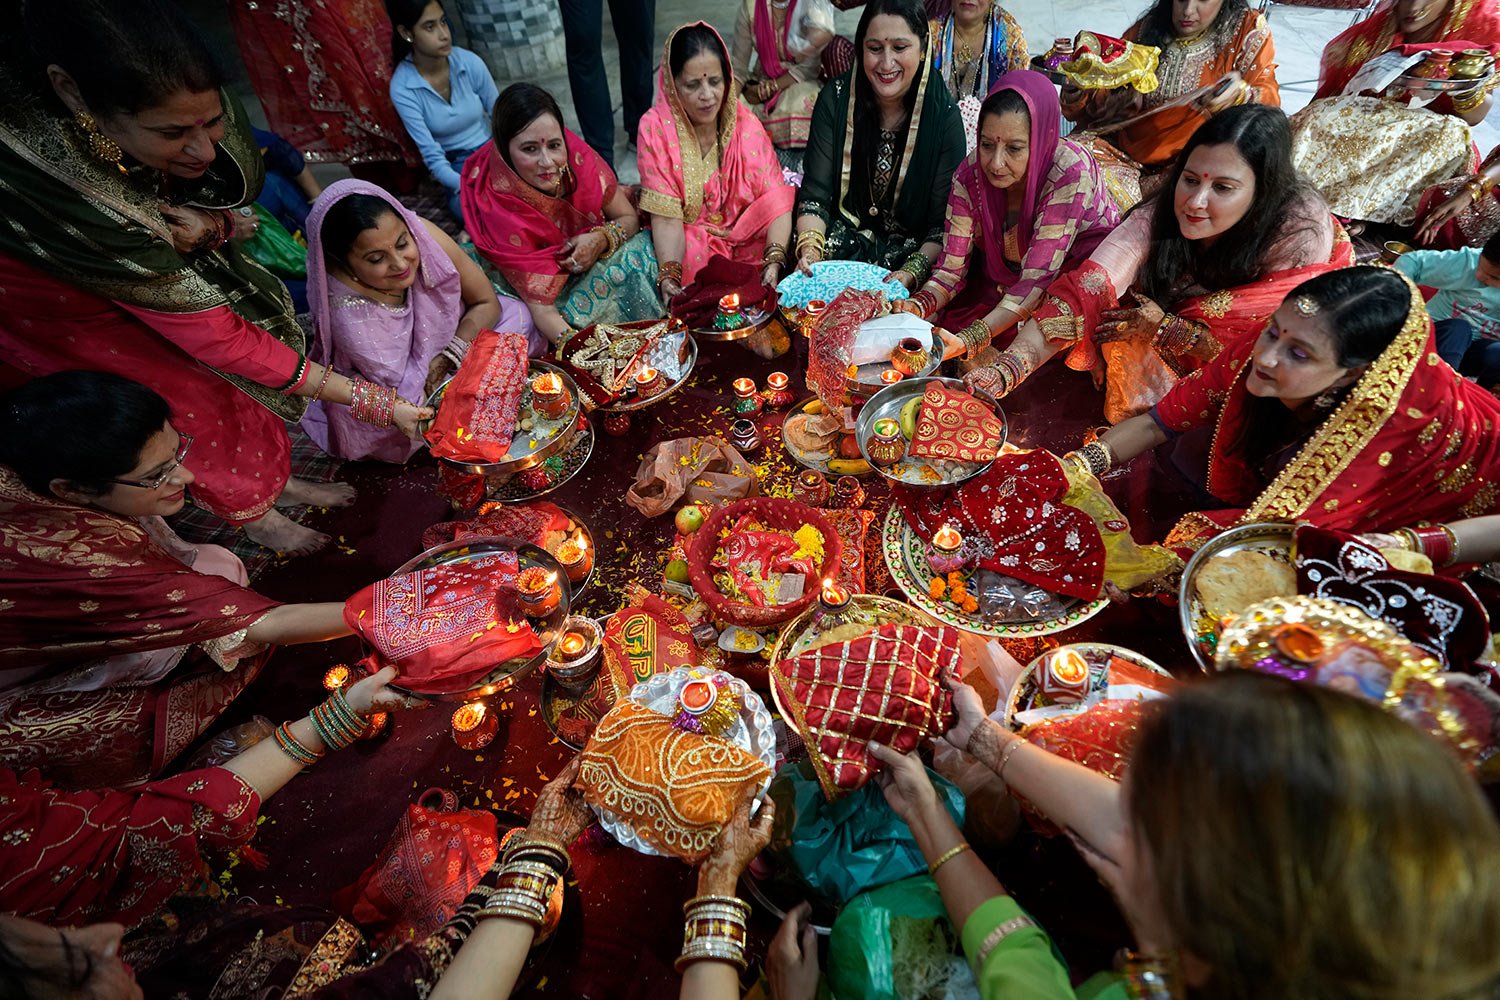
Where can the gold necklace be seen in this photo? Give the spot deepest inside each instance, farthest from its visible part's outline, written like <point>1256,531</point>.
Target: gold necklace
<point>963,47</point>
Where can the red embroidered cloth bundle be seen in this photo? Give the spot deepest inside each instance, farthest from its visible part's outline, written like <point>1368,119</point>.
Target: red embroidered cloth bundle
<point>531,522</point>
<point>698,305</point>
<point>477,419</point>
<point>955,425</point>
<point>446,627</point>
<point>1015,516</point>
<point>832,346</point>
<point>883,686</point>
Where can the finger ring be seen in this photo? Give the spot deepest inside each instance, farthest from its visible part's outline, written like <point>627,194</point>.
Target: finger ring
<point>247,211</point>
<point>1121,326</point>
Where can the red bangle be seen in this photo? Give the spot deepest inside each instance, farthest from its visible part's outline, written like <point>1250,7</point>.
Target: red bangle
<point>1436,543</point>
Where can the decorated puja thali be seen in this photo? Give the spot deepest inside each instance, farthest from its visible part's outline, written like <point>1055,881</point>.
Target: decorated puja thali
<point>906,556</point>
<point>543,616</point>
<point>648,386</point>
<point>814,438</point>
<point>542,428</point>
<point>551,474</point>
<point>895,416</point>
<point>1083,666</point>
<point>1234,569</point>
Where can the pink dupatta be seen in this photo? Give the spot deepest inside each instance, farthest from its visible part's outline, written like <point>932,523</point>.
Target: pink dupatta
<point>360,337</point>
<point>725,211</point>
<point>766,47</point>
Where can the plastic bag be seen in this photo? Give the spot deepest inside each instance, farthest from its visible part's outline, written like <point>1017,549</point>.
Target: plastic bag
<point>895,943</point>
<point>275,249</point>
<point>846,847</point>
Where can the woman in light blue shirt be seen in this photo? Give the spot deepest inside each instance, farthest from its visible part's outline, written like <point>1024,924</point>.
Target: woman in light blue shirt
<point>443,94</point>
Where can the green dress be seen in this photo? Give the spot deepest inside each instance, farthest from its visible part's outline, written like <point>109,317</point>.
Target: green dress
<point>1023,962</point>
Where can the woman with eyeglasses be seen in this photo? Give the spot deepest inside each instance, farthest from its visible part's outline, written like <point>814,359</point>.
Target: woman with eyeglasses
<point>119,642</point>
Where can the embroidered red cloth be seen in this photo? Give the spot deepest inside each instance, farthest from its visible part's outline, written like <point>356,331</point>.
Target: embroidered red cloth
<point>1015,517</point>
<point>852,527</point>
<point>954,424</point>
<point>1099,738</point>
<point>477,418</point>
<point>882,686</point>
<point>529,522</point>
<point>1443,617</point>
<point>698,305</point>
<point>444,628</point>
<point>832,344</point>
<point>646,638</point>
<point>435,858</point>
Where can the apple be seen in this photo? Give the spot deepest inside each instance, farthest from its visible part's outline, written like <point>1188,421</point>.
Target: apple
<point>849,447</point>
<point>689,519</point>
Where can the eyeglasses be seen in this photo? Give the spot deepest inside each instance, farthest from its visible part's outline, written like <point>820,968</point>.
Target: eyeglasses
<point>184,442</point>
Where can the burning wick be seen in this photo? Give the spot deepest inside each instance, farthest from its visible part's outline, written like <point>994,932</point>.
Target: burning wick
<point>744,387</point>
<point>833,595</point>
<point>337,676</point>
<point>730,302</point>
<point>473,726</point>
<point>777,381</point>
<point>890,376</point>
<point>947,539</point>
<point>572,644</point>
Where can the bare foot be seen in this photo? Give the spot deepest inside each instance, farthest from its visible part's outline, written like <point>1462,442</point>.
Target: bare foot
<point>301,491</point>
<point>277,531</point>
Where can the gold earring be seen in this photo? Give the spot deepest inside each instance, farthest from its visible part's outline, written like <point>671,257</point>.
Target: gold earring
<point>101,147</point>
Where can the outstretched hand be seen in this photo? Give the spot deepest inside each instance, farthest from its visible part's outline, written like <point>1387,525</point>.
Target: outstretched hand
<point>737,844</point>
<point>561,813</point>
<point>968,711</point>
<point>792,959</point>
<point>904,781</point>
<point>372,694</point>
<point>409,416</point>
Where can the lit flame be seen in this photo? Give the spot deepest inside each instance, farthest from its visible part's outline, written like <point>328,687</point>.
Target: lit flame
<point>890,376</point>
<point>744,386</point>
<point>833,593</point>
<point>468,716</point>
<point>573,644</point>
<point>777,381</point>
<point>336,677</point>
<point>547,385</point>
<point>730,302</point>
<point>947,537</point>
<point>1069,666</point>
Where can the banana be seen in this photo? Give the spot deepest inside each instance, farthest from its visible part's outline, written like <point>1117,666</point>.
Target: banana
<point>813,406</point>
<point>849,466</point>
<point>909,417</point>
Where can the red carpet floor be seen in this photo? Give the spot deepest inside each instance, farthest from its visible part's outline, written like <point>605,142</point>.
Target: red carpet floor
<point>327,825</point>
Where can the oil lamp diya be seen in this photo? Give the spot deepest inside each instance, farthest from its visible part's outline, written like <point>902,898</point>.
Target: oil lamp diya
<point>833,597</point>
<point>887,445</point>
<point>577,558</point>
<point>337,676</point>
<point>649,382</point>
<point>379,723</point>
<point>891,376</point>
<point>747,402</point>
<point>549,396</point>
<point>539,590</point>
<point>778,394</point>
<point>1065,676</point>
<point>474,726</point>
<point>729,316</point>
<point>576,658</point>
<point>947,550</point>
<point>811,488</point>
<point>744,435</point>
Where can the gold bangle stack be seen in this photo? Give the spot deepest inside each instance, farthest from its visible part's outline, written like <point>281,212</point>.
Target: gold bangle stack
<point>811,239</point>
<point>669,270</point>
<point>976,336</point>
<point>919,267</point>
<point>714,930</point>
<point>775,254</point>
<point>529,873</point>
<point>614,237</point>
<point>1095,457</point>
<point>1469,102</point>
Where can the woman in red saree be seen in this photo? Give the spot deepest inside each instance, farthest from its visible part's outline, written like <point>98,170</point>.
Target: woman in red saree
<point>710,179</point>
<point>550,215</point>
<point>1340,414</point>
<point>1374,157</point>
<point>1187,275</point>
<point>119,642</point>
<point>127,183</point>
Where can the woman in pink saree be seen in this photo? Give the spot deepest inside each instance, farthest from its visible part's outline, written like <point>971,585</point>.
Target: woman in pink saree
<point>709,175</point>
<point>390,294</point>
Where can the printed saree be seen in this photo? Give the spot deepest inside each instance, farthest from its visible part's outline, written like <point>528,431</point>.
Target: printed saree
<point>1184,67</point>
<point>520,232</point>
<point>389,345</point>
<point>88,251</point>
<point>1371,158</point>
<point>726,200</point>
<point>70,858</point>
<point>1136,375</point>
<point>838,191</point>
<point>1001,51</point>
<point>1064,212</point>
<point>81,592</point>
<point>761,52</point>
<point>1412,443</point>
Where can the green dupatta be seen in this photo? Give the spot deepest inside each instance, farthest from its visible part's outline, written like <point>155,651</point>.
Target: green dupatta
<point>837,190</point>
<point>85,223</point>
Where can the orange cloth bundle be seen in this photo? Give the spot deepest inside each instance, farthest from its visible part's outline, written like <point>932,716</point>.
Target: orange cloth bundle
<point>477,418</point>
<point>675,788</point>
<point>953,424</point>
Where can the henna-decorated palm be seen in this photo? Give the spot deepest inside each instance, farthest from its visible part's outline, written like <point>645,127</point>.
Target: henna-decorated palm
<point>561,814</point>
<point>987,379</point>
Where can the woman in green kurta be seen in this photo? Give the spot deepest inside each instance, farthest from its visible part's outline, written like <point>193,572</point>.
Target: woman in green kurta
<point>885,140</point>
<point>1270,838</point>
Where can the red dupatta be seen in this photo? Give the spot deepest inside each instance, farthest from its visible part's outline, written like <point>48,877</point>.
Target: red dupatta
<point>1413,442</point>
<point>520,229</point>
<point>1477,21</point>
<point>79,584</point>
